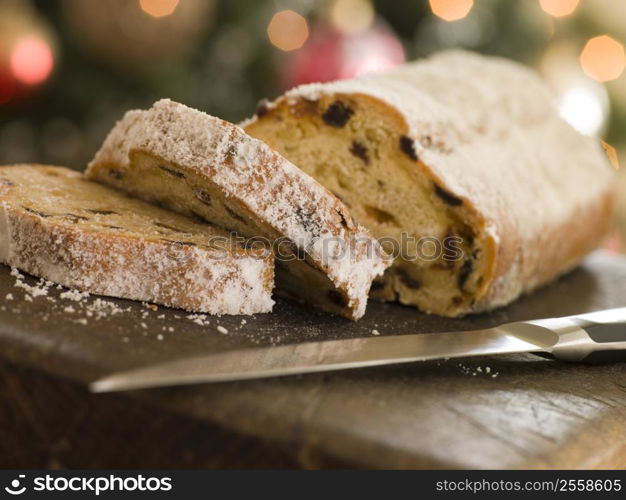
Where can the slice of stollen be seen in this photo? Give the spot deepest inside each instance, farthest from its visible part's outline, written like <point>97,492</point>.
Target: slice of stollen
<point>57,225</point>
<point>205,167</point>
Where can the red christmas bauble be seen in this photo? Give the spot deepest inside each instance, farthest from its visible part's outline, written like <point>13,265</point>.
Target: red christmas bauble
<point>26,51</point>
<point>332,55</point>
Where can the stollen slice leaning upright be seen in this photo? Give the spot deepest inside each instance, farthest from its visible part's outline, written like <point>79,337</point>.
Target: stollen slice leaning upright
<point>57,225</point>
<point>462,159</point>
<point>210,169</point>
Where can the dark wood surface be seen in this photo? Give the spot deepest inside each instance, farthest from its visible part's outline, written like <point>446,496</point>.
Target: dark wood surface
<point>450,414</point>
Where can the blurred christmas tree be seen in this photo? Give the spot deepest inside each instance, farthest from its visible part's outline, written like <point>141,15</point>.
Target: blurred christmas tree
<point>70,68</point>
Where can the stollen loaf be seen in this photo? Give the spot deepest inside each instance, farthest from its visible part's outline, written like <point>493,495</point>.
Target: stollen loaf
<point>462,164</point>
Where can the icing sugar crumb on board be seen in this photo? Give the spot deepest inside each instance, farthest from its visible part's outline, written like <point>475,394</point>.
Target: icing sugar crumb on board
<point>80,307</point>
<point>141,323</point>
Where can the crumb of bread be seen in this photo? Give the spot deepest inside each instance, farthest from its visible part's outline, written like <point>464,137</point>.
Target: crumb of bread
<point>74,295</point>
<point>468,370</point>
<point>199,319</point>
<point>40,289</point>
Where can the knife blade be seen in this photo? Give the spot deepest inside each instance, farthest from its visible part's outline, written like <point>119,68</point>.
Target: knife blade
<point>571,338</point>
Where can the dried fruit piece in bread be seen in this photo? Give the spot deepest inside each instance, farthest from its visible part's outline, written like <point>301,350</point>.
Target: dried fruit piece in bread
<point>57,225</point>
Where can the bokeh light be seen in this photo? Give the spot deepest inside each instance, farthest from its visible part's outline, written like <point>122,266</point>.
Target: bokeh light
<point>611,153</point>
<point>371,52</point>
<point>158,8</point>
<point>352,16</point>
<point>451,10</point>
<point>31,60</point>
<point>288,30</point>
<point>603,58</point>
<point>583,110</point>
<point>559,8</point>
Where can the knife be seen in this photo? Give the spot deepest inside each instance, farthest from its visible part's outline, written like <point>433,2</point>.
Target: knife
<point>594,337</point>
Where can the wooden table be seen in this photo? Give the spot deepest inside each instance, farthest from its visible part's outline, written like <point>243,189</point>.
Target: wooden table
<point>523,411</point>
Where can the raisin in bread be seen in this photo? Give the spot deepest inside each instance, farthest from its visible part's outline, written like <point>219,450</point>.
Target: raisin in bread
<point>199,165</point>
<point>57,225</point>
<point>461,161</point>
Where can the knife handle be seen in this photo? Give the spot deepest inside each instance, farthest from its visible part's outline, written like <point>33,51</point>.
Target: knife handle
<point>598,337</point>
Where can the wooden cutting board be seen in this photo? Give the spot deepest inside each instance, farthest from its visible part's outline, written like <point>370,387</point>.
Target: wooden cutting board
<point>516,411</point>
